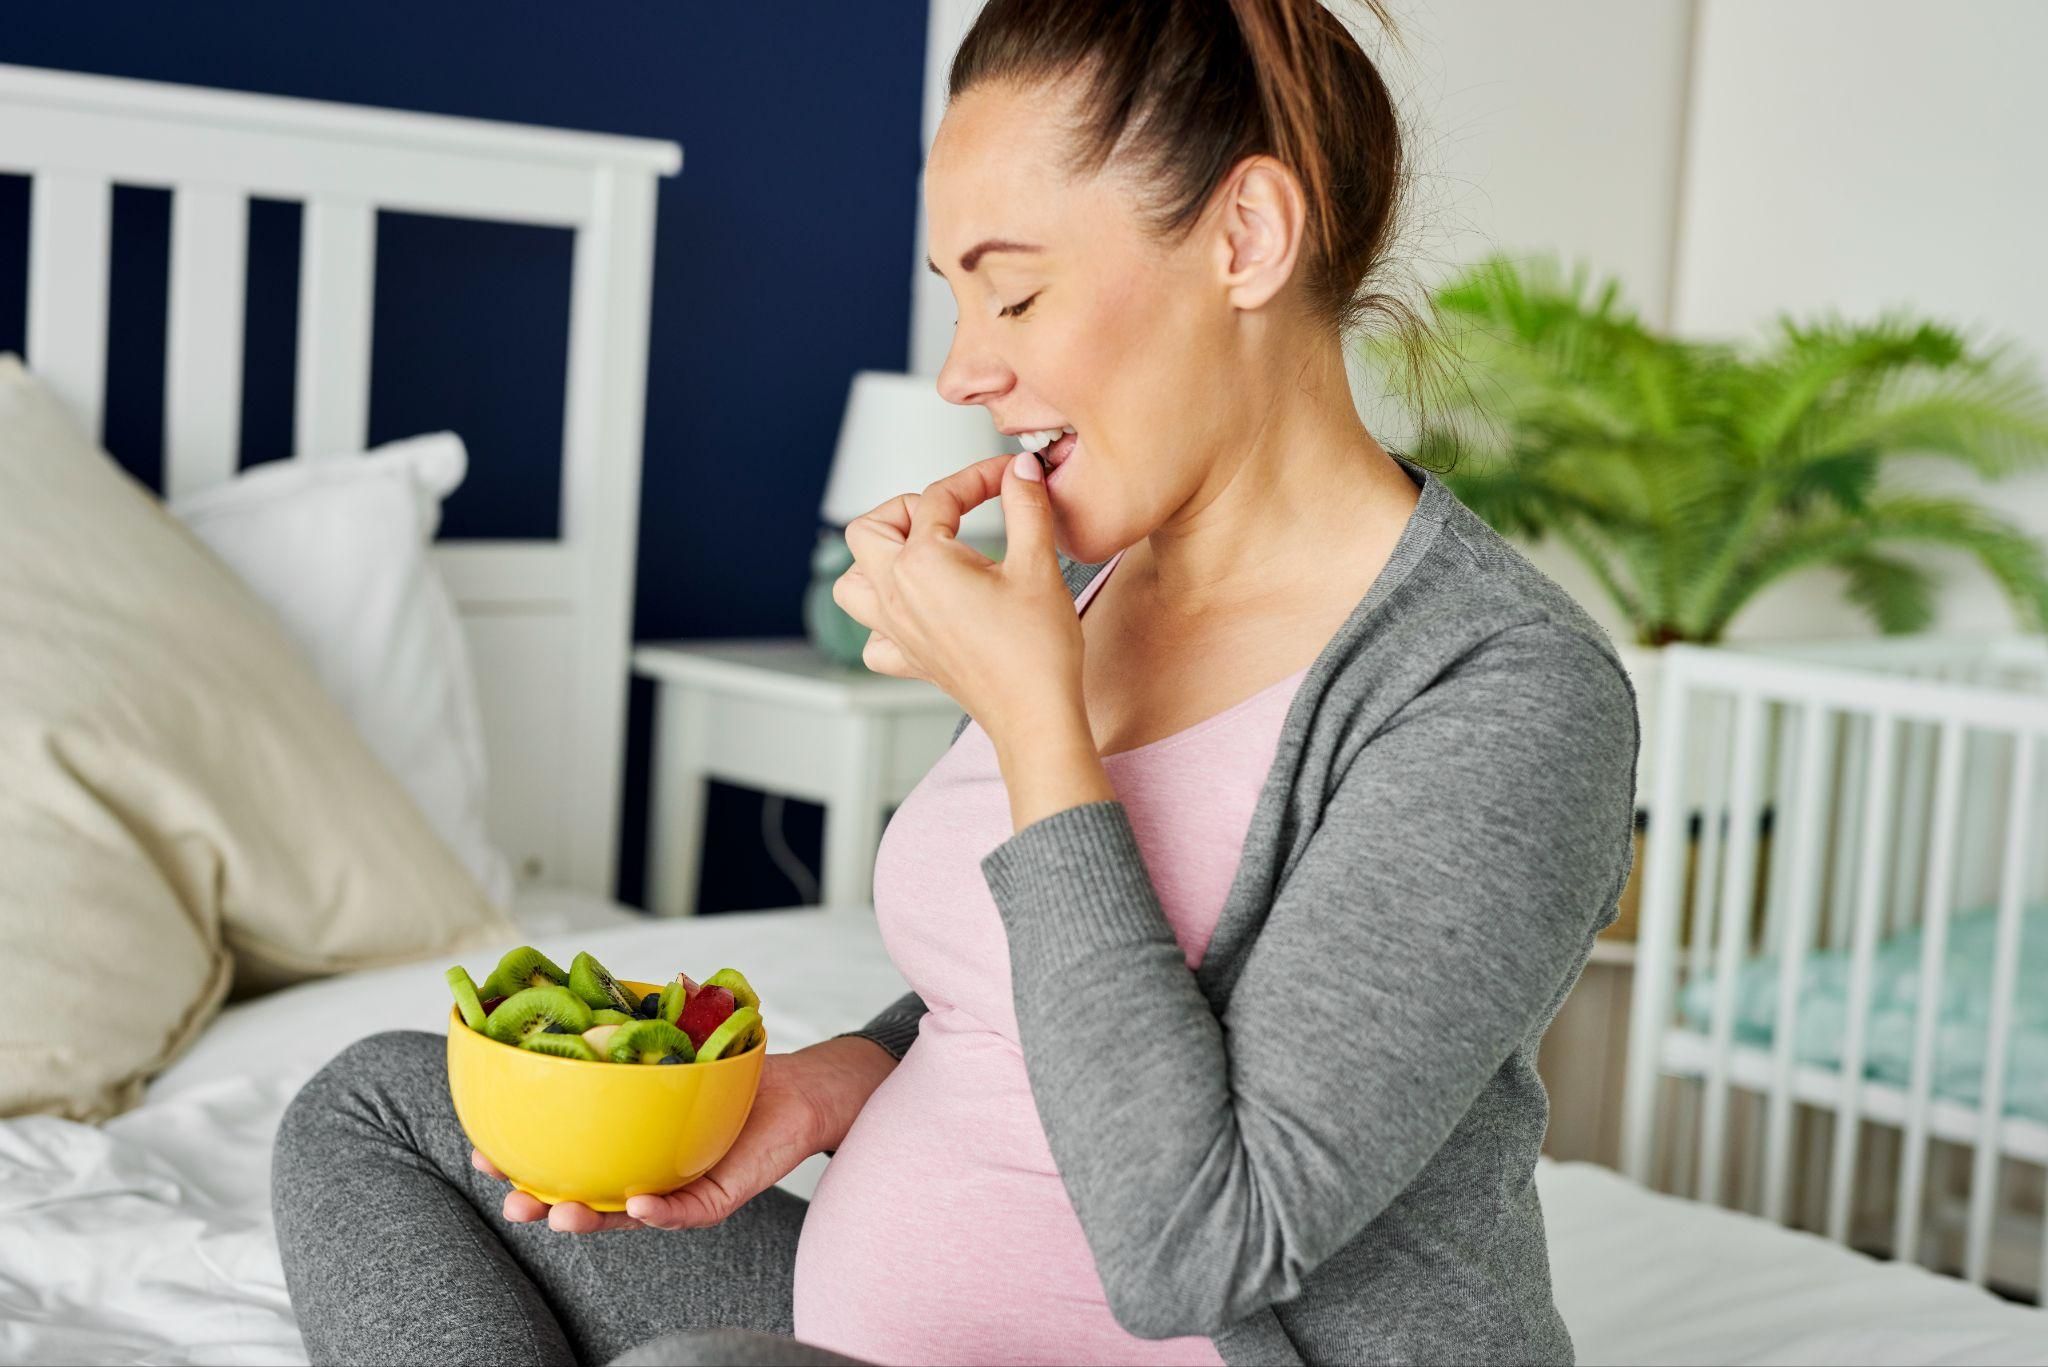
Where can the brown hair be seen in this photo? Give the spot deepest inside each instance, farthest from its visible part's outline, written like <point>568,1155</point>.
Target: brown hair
<point>1181,91</point>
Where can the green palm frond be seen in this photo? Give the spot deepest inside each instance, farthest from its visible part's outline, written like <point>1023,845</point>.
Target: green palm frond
<point>2014,559</point>
<point>1688,475</point>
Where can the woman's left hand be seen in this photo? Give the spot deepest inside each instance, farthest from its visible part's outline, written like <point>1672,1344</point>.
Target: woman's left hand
<point>1001,637</point>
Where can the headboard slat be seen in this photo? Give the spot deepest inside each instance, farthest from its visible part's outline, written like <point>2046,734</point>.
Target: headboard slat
<point>548,619</point>
<point>610,282</point>
<point>203,340</point>
<point>336,267</point>
<point>67,290</point>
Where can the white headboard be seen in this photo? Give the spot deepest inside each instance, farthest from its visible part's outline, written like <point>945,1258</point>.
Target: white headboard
<point>548,621</point>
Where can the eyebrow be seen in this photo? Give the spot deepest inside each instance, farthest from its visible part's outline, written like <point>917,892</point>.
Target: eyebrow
<point>976,252</point>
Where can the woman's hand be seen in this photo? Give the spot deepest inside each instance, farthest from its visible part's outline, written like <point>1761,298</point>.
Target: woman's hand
<point>806,1104</point>
<point>1001,637</point>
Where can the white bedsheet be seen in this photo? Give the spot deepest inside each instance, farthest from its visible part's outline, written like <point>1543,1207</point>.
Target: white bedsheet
<point>148,1239</point>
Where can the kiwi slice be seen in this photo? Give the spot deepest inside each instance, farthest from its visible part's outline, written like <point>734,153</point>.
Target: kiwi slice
<point>651,1042</point>
<point>466,1000</point>
<point>534,1011</point>
<point>674,997</point>
<point>589,980</point>
<point>735,982</point>
<point>604,1015</point>
<point>736,1033</point>
<point>561,1046</point>
<point>522,968</point>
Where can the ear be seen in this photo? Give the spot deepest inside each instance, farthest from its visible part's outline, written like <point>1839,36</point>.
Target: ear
<point>1262,222</point>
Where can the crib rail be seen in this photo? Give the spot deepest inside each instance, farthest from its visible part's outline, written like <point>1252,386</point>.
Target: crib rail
<point>1894,783</point>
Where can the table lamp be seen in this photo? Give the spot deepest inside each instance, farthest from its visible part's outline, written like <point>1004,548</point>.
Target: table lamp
<point>897,436</point>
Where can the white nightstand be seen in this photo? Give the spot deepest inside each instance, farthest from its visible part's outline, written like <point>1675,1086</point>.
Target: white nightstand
<point>778,716</point>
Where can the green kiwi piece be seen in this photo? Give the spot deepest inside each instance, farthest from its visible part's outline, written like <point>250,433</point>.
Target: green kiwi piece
<point>674,997</point>
<point>650,1042</point>
<point>589,980</point>
<point>736,1030</point>
<point>533,1011</point>
<point>466,1000</point>
<point>735,982</point>
<point>604,1015</point>
<point>561,1046</point>
<point>520,969</point>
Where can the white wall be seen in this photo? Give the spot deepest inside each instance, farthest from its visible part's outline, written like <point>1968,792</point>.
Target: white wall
<point>1726,159</point>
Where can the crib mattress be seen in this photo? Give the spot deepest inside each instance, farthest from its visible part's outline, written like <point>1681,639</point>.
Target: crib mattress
<point>148,1239</point>
<point>1962,1013</point>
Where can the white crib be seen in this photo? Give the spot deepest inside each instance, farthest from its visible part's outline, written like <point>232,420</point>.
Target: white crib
<point>1841,803</point>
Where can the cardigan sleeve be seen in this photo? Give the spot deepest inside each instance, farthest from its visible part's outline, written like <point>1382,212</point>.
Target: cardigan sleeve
<point>1467,854</point>
<point>895,1028</point>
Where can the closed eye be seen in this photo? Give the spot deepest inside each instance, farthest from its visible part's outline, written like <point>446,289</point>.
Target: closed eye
<point>1017,310</point>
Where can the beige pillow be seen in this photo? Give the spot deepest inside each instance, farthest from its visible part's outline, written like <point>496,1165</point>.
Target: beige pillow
<point>175,789</point>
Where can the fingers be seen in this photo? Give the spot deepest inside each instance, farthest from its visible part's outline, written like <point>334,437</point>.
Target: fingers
<point>704,1202</point>
<point>884,656</point>
<point>939,512</point>
<point>573,1217</point>
<point>883,528</point>
<point>1028,533</point>
<point>570,1217</point>
<point>522,1209</point>
<point>855,593</point>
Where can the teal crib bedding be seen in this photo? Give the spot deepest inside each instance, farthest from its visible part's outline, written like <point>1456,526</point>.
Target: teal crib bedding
<point>1962,1030</point>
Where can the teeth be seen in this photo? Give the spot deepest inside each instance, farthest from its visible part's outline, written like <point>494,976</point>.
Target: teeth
<point>1035,442</point>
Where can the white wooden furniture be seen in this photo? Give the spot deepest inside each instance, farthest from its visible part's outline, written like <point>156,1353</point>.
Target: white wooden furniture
<point>1905,781</point>
<point>548,622</point>
<point>778,716</point>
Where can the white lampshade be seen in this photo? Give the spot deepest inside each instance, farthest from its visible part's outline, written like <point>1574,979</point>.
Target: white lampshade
<point>898,435</point>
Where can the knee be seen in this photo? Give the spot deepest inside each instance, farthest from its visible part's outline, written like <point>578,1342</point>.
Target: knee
<point>365,1082</point>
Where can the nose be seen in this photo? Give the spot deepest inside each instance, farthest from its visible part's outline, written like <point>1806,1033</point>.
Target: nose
<point>972,373</point>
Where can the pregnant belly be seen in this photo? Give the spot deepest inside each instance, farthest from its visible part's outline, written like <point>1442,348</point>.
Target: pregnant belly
<point>941,1232</point>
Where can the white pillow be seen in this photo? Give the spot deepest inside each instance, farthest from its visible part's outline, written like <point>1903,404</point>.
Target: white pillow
<point>338,549</point>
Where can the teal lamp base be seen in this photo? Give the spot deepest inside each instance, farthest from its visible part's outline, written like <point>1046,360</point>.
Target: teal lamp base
<point>837,636</point>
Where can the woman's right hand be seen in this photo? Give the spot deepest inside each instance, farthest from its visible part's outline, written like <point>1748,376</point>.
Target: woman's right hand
<point>806,1104</point>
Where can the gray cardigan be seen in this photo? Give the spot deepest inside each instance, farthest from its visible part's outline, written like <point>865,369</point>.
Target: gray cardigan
<point>1321,1145</point>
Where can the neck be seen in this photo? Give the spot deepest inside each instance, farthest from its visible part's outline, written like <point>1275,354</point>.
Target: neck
<point>1307,483</point>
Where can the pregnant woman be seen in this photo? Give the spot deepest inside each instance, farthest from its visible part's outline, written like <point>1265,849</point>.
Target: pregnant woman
<point>1291,802</point>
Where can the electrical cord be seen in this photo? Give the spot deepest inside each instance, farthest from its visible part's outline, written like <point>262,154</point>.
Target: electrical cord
<point>785,858</point>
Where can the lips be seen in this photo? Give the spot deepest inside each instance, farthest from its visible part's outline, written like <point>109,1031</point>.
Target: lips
<point>1059,450</point>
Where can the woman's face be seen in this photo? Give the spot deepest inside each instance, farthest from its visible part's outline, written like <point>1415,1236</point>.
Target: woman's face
<point>1076,318</point>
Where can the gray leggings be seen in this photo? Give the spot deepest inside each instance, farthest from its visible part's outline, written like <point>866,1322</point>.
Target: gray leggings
<point>395,1251</point>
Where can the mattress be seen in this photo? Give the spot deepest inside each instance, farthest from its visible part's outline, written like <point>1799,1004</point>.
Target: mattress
<point>1962,1015</point>
<point>148,1239</point>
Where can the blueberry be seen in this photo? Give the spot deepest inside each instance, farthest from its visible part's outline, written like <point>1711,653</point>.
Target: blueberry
<point>673,1058</point>
<point>556,1029</point>
<point>650,1006</point>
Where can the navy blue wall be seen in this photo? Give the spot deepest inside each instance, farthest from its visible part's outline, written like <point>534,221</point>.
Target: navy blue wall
<point>782,266</point>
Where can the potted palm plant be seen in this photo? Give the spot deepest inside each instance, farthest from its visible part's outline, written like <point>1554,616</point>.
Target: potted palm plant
<point>1689,475</point>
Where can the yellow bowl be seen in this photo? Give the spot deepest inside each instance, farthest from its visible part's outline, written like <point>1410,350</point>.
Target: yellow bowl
<point>566,1129</point>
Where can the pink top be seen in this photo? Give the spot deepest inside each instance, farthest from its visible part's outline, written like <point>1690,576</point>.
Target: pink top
<point>941,1232</point>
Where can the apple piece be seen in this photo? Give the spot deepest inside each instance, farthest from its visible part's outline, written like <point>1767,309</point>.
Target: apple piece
<point>705,1012</point>
<point>599,1037</point>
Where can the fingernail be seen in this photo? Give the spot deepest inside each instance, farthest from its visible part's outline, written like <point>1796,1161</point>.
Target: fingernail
<point>1026,466</point>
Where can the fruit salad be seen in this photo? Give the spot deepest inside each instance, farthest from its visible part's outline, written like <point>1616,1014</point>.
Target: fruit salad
<point>530,1003</point>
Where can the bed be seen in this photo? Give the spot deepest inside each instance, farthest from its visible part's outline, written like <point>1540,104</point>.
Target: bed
<point>147,1238</point>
